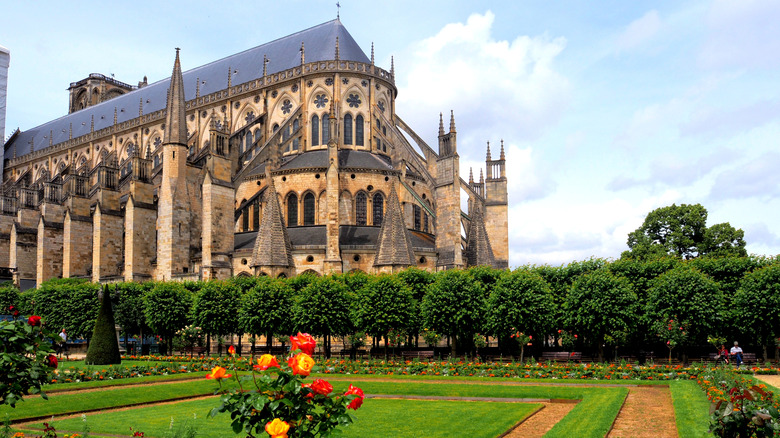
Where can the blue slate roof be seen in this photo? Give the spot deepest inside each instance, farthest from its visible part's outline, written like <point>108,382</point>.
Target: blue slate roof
<point>283,53</point>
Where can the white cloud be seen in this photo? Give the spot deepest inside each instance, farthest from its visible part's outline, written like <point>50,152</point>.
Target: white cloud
<point>496,87</point>
<point>743,34</point>
<point>639,32</point>
<point>757,178</point>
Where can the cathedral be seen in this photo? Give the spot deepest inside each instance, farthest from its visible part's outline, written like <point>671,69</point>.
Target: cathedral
<point>282,159</point>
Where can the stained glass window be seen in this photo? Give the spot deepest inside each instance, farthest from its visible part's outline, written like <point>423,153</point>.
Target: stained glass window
<point>315,130</point>
<point>359,130</point>
<point>417,213</point>
<point>379,209</point>
<point>308,209</point>
<point>348,129</point>
<point>292,210</point>
<point>360,209</point>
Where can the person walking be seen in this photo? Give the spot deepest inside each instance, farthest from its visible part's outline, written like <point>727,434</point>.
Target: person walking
<point>736,354</point>
<point>63,342</point>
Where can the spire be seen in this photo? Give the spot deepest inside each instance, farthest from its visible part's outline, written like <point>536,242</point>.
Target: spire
<point>115,115</point>
<point>51,137</point>
<point>272,245</point>
<point>92,124</point>
<point>441,124</point>
<point>140,106</point>
<point>230,76</point>
<point>478,249</point>
<point>70,133</point>
<point>372,53</point>
<point>481,178</point>
<point>333,140</point>
<point>265,65</point>
<point>471,176</point>
<point>489,158</point>
<point>502,157</point>
<point>175,119</point>
<point>303,54</point>
<point>337,48</point>
<point>392,66</point>
<point>452,121</point>
<point>197,88</point>
<point>394,245</point>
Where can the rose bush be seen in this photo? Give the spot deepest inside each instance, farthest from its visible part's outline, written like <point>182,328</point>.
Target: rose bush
<point>278,402</point>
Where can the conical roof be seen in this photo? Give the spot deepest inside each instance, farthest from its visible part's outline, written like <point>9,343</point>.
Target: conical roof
<point>175,117</point>
<point>478,249</point>
<point>394,245</point>
<point>272,245</point>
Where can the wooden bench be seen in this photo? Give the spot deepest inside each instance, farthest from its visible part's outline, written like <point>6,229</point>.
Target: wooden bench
<point>562,356</point>
<point>276,350</point>
<point>420,354</point>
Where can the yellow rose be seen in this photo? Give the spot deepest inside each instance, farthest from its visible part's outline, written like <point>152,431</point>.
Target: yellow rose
<point>301,364</point>
<point>277,428</point>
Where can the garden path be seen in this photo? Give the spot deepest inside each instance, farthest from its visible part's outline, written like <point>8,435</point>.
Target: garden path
<point>542,421</point>
<point>647,412</point>
<point>773,380</point>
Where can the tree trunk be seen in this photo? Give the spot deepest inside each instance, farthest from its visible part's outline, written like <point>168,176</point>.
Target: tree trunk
<point>385,346</point>
<point>254,342</point>
<point>522,351</point>
<point>766,354</point>
<point>208,345</point>
<point>601,352</point>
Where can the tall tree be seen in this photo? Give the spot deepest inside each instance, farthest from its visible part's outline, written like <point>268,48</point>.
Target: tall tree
<point>167,309</point>
<point>322,308</point>
<point>215,307</point>
<point>384,303</point>
<point>267,309</point>
<point>455,306</point>
<point>682,231</point>
<point>757,305</point>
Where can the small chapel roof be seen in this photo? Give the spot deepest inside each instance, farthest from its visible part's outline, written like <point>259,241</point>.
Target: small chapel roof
<point>282,53</point>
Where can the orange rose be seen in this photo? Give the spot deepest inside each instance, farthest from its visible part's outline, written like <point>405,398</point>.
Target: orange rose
<point>304,342</point>
<point>232,350</point>
<point>218,373</point>
<point>358,401</point>
<point>301,364</point>
<point>266,361</point>
<point>277,428</point>
<point>320,386</point>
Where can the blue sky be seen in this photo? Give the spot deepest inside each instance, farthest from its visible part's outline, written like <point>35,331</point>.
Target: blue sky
<point>607,109</point>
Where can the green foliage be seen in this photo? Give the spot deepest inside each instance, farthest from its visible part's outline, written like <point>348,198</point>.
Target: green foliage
<point>486,277</point>
<point>757,304</point>
<point>455,306</point>
<point>690,297</point>
<point>521,300</point>
<point>68,303</point>
<point>104,348</point>
<point>26,359</point>
<point>601,304</point>
<point>215,307</point>
<point>9,297</point>
<point>690,409</point>
<point>322,308</point>
<point>417,280</point>
<point>267,308</point>
<point>384,303</point>
<point>167,308</point>
<point>299,282</point>
<point>682,231</point>
<point>128,303</point>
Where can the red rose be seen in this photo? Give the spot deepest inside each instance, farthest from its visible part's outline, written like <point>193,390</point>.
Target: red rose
<point>304,342</point>
<point>320,386</point>
<point>51,361</point>
<point>358,401</point>
<point>34,320</point>
<point>232,350</point>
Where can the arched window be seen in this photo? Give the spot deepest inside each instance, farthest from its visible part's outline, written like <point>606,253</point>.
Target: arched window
<point>292,210</point>
<point>379,209</point>
<point>315,130</point>
<point>360,208</point>
<point>348,129</point>
<point>256,215</point>
<point>308,209</point>
<point>258,134</point>
<point>425,222</point>
<point>295,143</point>
<point>276,127</point>
<point>417,213</point>
<point>248,143</point>
<point>325,128</point>
<point>359,130</point>
<point>245,220</point>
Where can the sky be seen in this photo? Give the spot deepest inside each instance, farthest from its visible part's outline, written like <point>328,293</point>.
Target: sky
<point>607,109</point>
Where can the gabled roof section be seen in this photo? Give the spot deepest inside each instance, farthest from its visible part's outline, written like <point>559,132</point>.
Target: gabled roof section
<point>284,53</point>
<point>394,245</point>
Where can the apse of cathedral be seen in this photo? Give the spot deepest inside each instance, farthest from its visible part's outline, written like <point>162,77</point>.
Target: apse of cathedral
<point>282,159</point>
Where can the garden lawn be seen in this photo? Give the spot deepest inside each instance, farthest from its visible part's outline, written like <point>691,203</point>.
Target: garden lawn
<point>377,418</point>
<point>691,409</point>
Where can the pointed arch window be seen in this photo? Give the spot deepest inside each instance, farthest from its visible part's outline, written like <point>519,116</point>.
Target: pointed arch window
<point>308,209</point>
<point>378,209</point>
<point>315,130</point>
<point>348,129</point>
<point>292,210</point>
<point>359,130</point>
<point>245,220</point>
<point>360,208</point>
<point>325,128</point>
<point>296,142</point>
<point>256,215</point>
<point>417,213</point>
<point>248,142</point>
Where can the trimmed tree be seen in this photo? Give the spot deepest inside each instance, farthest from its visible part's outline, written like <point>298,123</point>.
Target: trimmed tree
<point>455,306</point>
<point>383,303</point>
<point>521,301</point>
<point>215,307</point>
<point>167,309</point>
<point>757,305</point>
<point>267,308</point>
<point>104,348</point>
<point>601,307</point>
<point>128,303</point>
<point>322,309</point>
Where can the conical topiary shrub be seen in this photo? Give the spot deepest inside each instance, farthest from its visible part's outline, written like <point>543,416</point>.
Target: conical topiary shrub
<point>104,347</point>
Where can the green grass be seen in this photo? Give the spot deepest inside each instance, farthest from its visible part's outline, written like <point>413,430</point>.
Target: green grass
<point>377,418</point>
<point>691,409</point>
<point>593,416</point>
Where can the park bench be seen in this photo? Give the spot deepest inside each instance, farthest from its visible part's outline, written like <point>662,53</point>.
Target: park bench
<point>276,350</point>
<point>419,354</point>
<point>747,358</point>
<point>562,356</point>
<point>358,353</point>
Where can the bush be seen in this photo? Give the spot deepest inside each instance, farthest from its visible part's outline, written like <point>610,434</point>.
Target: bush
<point>26,358</point>
<point>104,348</point>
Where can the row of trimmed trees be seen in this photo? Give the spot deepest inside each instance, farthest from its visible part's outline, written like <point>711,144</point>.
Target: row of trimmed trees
<point>606,304</point>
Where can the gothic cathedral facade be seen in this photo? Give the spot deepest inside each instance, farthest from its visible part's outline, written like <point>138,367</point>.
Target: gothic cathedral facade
<point>285,158</point>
